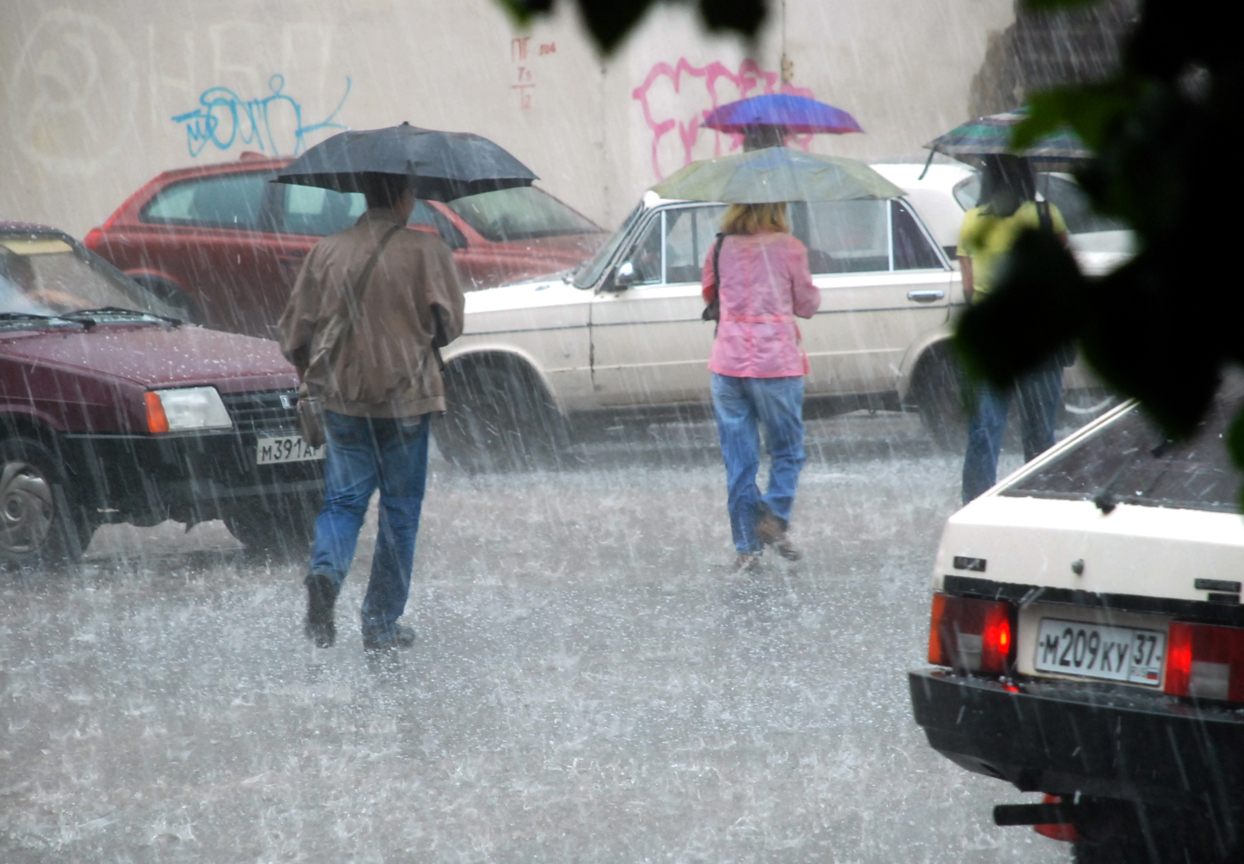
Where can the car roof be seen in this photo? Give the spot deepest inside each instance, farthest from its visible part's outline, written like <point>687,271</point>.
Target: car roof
<point>248,161</point>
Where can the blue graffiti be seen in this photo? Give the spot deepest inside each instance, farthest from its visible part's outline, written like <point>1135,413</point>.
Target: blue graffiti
<point>224,118</point>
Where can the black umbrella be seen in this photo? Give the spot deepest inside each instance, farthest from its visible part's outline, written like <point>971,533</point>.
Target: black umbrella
<point>443,165</point>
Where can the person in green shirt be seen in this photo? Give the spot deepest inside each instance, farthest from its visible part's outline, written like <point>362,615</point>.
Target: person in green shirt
<point>1008,207</point>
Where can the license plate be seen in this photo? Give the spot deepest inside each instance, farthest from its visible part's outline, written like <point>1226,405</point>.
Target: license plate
<point>1100,651</point>
<point>285,448</point>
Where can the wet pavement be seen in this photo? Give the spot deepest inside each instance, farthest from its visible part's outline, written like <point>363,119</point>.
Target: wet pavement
<point>592,681</point>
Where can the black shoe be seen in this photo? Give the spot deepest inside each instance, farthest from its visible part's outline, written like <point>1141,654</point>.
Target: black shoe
<point>401,637</point>
<point>321,596</point>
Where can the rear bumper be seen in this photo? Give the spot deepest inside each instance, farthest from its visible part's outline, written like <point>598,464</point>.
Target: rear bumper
<point>186,477</point>
<point>1064,737</point>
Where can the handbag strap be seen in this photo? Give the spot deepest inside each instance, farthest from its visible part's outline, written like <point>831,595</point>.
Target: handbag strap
<point>721,238</point>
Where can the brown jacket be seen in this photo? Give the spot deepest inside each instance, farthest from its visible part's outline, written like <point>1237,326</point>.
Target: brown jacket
<point>385,365</point>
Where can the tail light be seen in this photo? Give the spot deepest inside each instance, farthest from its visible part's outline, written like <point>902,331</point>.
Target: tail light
<point>1205,662</point>
<point>92,238</point>
<point>972,635</point>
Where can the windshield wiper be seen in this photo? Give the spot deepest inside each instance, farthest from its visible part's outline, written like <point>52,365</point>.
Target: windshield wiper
<point>31,316</point>
<point>118,312</point>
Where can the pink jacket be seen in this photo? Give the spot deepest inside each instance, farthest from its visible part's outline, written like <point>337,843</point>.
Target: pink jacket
<point>765,283</point>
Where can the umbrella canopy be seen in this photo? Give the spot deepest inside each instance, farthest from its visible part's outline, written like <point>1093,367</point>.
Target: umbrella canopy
<point>776,174</point>
<point>988,136</point>
<point>443,165</point>
<point>798,115</point>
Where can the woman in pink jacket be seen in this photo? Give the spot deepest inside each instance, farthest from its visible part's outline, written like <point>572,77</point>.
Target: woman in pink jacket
<point>758,366</point>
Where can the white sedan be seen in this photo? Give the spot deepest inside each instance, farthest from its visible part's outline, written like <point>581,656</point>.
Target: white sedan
<point>623,332</point>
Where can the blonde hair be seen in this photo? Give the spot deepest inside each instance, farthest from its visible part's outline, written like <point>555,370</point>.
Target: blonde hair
<point>754,218</point>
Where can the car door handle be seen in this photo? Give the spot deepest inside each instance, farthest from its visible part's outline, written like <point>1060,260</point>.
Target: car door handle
<point>297,259</point>
<point>926,295</point>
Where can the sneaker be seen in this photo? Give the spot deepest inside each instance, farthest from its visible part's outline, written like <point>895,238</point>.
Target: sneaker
<point>772,532</point>
<point>401,637</point>
<point>747,562</point>
<point>321,596</point>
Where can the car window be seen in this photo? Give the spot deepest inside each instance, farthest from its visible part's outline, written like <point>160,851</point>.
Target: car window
<point>646,255</point>
<point>50,275</point>
<point>689,236</point>
<point>844,236</point>
<point>1130,461</point>
<point>320,212</point>
<point>523,213</point>
<point>425,214</point>
<point>968,191</point>
<point>224,201</point>
<point>912,249</point>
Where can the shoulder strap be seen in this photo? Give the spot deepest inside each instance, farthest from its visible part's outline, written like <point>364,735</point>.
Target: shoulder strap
<point>721,237</point>
<point>361,285</point>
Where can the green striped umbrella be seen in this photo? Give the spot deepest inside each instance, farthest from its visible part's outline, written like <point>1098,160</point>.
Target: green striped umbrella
<point>988,136</point>
<point>776,174</point>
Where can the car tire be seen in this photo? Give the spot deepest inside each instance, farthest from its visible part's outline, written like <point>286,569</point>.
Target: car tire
<point>172,295</point>
<point>938,393</point>
<point>275,527</point>
<point>499,417</point>
<point>40,524</point>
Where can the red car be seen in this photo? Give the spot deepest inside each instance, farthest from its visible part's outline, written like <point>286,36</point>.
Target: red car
<point>223,245</point>
<point>113,410</point>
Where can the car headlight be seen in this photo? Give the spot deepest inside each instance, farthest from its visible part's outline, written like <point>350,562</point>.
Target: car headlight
<point>186,408</point>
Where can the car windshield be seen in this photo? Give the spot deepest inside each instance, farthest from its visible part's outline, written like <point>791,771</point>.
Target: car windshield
<point>1130,461</point>
<point>48,274</point>
<point>591,271</point>
<point>523,213</point>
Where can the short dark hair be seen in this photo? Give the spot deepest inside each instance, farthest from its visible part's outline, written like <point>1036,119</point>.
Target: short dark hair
<point>385,190</point>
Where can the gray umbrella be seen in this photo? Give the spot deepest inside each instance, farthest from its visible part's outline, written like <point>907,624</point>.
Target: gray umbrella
<point>442,165</point>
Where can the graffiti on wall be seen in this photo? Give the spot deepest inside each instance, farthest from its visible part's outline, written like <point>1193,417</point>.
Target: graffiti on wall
<point>676,98</point>
<point>72,93</point>
<point>273,124</point>
<point>521,49</point>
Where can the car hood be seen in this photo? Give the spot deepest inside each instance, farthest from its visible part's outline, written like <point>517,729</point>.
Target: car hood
<point>155,355</point>
<point>520,295</point>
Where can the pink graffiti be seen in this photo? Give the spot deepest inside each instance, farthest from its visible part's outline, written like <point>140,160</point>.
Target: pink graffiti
<point>749,80</point>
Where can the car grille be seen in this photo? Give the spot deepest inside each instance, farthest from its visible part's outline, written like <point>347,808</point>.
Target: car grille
<point>266,411</point>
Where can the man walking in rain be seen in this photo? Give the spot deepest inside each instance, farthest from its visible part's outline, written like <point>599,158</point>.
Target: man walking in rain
<point>368,308</point>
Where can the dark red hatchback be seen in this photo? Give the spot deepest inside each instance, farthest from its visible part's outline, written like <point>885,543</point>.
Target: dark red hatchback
<point>113,410</point>
<point>223,244</point>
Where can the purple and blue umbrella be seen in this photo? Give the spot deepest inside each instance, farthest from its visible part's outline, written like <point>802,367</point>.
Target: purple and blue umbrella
<point>797,115</point>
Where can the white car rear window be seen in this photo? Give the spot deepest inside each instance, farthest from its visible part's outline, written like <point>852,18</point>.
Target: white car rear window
<point>1129,461</point>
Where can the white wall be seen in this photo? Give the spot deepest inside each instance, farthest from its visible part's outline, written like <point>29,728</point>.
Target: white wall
<point>91,87</point>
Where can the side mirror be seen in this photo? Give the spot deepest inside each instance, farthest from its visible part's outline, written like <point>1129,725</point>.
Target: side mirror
<point>623,277</point>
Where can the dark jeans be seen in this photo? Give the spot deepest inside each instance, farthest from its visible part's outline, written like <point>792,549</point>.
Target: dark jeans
<point>364,453</point>
<point>1039,394</point>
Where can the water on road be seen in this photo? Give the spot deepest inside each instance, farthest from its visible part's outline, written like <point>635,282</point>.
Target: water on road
<point>591,682</point>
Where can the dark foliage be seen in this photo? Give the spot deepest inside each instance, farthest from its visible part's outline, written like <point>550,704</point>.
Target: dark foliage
<point>609,21</point>
<point>1162,327</point>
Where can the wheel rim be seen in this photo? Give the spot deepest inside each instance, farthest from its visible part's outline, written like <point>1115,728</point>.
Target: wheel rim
<point>26,508</point>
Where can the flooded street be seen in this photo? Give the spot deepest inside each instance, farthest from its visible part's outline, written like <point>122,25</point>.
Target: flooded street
<point>591,682</point>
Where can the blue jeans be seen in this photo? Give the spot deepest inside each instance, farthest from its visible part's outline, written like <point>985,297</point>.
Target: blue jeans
<point>363,453</point>
<point>1040,394</point>
<point>741,406</point>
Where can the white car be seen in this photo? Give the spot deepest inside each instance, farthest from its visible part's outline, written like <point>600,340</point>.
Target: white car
<point>942,193</point>
<point>623,333</point>
<point>1088,639</point>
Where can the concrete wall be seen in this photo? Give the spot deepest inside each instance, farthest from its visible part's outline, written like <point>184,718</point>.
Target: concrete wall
<point>100,95</point>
